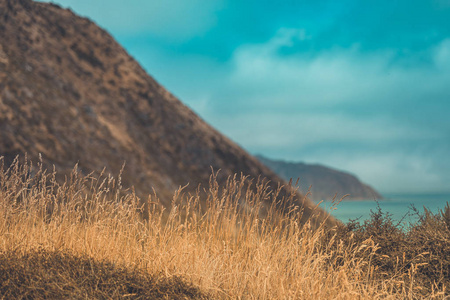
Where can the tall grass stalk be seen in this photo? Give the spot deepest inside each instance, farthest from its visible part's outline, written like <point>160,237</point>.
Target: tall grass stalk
<point>218,239</point>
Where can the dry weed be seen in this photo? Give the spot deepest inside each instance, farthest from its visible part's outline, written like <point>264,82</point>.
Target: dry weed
<point>226,245</point>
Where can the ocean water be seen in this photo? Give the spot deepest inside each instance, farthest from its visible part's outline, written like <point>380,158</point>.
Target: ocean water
<point>398,205</point>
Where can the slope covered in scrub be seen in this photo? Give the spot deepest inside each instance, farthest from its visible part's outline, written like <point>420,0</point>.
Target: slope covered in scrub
<point>71,93</point>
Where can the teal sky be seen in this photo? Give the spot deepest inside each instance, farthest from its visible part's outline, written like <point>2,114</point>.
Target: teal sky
<point>362,86</point>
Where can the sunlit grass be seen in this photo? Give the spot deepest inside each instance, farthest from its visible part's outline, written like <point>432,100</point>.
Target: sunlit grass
<point>225,240</point>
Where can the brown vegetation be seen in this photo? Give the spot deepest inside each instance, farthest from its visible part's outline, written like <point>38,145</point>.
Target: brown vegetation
<point>71,93</point>
<point>222,250</point>
<point>418,254</point>
<point>44,274</point>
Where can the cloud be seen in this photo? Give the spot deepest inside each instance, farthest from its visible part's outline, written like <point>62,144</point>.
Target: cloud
<point>441,55</point>
<point>295,131</point>
<point>361,112</point>
<point>392,156</point>
<point>334,76</point>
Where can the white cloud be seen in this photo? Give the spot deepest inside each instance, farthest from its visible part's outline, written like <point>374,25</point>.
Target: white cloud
<point>442,55</point>
<point>335,76</point>
<point>282,110</point>
<point>289,107</point>
<point>295,131</point>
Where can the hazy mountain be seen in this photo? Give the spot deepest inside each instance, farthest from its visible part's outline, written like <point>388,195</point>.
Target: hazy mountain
<point>325,182</point>
<point>69,91</point>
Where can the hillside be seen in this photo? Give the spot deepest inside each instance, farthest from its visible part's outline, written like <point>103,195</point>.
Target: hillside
<point>70,92</point>
<point>324,182</point>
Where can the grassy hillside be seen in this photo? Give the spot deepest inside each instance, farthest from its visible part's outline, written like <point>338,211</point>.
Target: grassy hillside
<point>89,238</point>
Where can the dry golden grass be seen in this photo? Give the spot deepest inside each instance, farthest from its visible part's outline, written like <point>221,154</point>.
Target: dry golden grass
<point>225,249</point>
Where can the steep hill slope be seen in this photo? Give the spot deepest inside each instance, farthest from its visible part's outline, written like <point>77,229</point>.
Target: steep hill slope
<point>69,91</point>
<point>324,182</point>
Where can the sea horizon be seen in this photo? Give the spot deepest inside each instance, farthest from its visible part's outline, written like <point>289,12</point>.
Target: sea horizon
<point>397,205</point>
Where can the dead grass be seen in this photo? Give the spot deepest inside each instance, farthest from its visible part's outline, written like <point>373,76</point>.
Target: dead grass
<point>223,247</point>
<point>41,274</point>
<point>416,255</point>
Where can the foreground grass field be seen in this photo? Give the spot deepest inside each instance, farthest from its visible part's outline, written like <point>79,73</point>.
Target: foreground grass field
<point>89,238</point>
